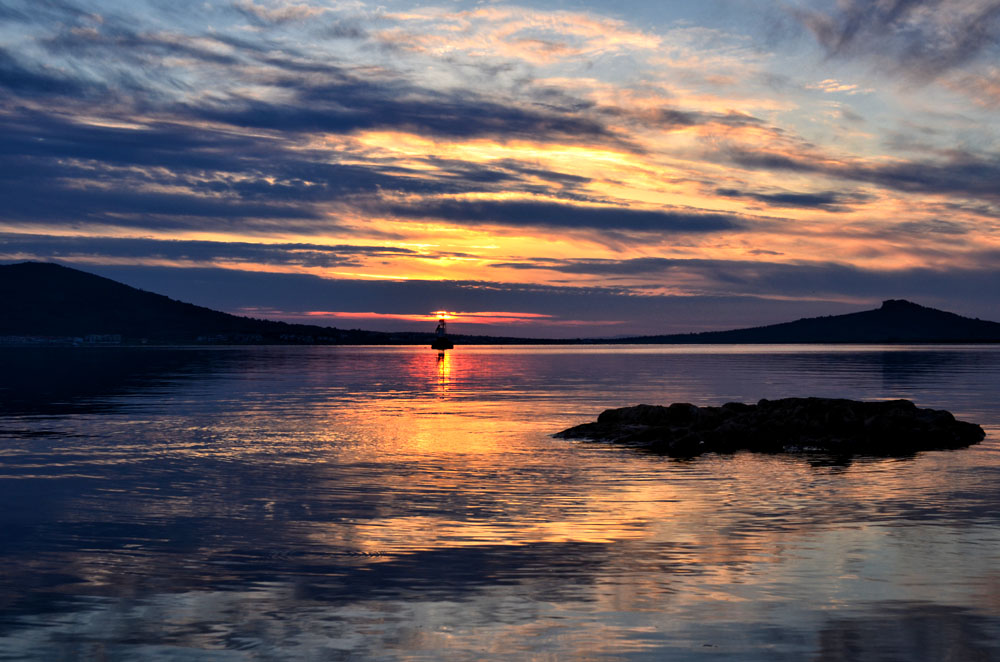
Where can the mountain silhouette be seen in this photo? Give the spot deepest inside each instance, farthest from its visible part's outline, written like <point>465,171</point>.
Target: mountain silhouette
<point>896,321</point>
<point>45,299</point>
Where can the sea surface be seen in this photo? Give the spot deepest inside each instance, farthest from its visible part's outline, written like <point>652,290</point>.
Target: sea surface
<point>390,503</point>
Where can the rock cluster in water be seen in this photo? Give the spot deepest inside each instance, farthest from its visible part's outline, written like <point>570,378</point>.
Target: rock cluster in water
<point>843,427</point>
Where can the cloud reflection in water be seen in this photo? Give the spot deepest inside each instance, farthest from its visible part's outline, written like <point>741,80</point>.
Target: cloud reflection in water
<point>385,503</point>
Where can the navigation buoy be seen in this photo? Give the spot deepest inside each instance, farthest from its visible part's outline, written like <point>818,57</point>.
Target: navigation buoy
<point>441,341</point>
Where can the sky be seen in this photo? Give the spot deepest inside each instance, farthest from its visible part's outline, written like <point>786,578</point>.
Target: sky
<point>550,168</point>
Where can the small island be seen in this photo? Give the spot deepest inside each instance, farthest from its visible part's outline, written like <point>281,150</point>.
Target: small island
<point>788,425</point>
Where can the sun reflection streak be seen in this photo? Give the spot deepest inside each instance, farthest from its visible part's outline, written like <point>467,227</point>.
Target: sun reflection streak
<point>444,371</point>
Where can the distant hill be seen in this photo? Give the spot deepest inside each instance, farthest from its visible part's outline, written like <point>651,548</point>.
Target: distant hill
<point>44,299</point>
<point>897,321</point>
<point>48,303</point>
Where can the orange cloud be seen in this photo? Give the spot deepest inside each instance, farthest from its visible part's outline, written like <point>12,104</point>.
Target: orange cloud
<point>476,317</point>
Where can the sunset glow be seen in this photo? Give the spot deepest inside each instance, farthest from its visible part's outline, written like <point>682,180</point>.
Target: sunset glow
<point>595,168</point>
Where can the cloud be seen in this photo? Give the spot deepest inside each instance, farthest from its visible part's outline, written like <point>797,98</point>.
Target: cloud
<point>240,153</point>
<point>833,86</point>
<point>20,79</point>
<point>827,200</point>
<point>921,37</point>
<point>261,85</point>
<point>351,105</point>
<point>281,13</point>
<point>983,87</point>
<point>521,213</point>
<point>164,174</point>
<point>61,171</point>
<point>58,170</point>
<point>933,226</point>
<point>223,160</point>
<point>825,280</point>
<point>115,249</point>
<point>516,33</point>
<point>123,44</point>
<point>56,138</point>
<point>963,173</point>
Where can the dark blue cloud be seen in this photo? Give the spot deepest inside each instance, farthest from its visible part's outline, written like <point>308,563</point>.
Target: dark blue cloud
<point>964,174</point>
<point>108,248</point>
<point>143,209</point>
<point>20,79</point>
<point>191,155</point>
<point>55,170</point>
<point>552,214</point>
<point>822,280</point>
<point>351,106</point>
<point>670,117</point>
<point>165,144</point>
<point>827,200</point>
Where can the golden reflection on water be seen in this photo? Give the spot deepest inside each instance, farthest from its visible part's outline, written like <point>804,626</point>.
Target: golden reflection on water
<point>446,458</point>
<point>457,447</point>
<point>444,370</point>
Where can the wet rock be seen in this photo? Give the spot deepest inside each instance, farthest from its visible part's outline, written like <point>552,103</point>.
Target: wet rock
<point>843,427</point>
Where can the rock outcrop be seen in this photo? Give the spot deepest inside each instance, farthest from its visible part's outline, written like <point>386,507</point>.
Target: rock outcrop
<point>837,426</point>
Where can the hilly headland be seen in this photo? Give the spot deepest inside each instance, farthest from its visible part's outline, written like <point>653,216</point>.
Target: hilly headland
<point>895,321</point>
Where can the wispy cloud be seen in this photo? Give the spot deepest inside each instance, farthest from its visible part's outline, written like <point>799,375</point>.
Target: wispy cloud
<point>278,12</point>
<point>924,38</point>
<point>833,86</point>
<point>515,32</point>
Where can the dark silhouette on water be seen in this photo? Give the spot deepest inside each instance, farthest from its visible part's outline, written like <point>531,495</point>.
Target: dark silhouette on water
<point>441,341</point>
<point>790,425</point>
<point>896,321</point>
<point>43,299</point>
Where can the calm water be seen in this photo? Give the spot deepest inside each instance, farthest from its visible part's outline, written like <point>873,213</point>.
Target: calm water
<point>381,504</point>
